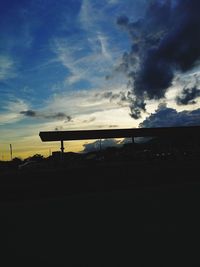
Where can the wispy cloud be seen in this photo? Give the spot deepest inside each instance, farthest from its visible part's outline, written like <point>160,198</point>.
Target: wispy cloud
<point>90,55</point>
<point>90,109</point>
<point>86,101</point>
<point>11,111</point>
<point>7,68</point>
<point>103,40</point>
<point>90,15</point>
<point>66,55</point>
<point>84,59</point>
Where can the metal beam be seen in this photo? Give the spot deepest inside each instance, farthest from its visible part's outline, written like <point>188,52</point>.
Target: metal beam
<point>119,133</point>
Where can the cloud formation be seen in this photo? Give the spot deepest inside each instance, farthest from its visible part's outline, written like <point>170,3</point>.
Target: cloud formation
<point>120,97</point>
<point>11,110</point>
<point>188,96</point>
<point>56,116</point>
<point>96,146</point>
<point>164,41</point>
<point>169,117</point>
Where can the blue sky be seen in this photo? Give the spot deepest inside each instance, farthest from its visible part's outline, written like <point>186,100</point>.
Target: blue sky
<point>58,69</point>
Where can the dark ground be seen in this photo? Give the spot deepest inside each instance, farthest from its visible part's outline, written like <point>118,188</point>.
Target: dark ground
<point>142,214</point>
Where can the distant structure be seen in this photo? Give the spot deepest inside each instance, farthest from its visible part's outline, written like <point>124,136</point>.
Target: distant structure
<point>183,132</point>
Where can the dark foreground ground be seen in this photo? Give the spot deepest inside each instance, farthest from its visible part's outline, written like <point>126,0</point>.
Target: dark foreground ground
<point>142,214</point>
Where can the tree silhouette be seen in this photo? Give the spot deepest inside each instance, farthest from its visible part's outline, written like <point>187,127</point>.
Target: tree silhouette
<point>36,157</point>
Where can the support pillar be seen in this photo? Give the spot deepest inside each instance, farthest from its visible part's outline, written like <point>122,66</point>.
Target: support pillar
<point>133,141</point>
<point>62,149</point>
<point>133,145</point>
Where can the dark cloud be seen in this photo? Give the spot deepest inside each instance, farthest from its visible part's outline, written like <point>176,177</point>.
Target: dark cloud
<point>188,96</point>
<point>164,41</point>
<point>136,106</point>
<point>57,116</point>
<point>95,146</point>
<point>169,117</point>
<point>29,113</point>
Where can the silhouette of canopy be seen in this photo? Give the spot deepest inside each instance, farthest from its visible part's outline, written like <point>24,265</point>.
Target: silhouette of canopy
<point>120,133</point>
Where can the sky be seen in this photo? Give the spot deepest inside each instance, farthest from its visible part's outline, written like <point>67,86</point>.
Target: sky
<point>90,64</point>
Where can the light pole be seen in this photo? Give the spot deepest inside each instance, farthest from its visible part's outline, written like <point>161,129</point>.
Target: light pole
<point>11,152</point>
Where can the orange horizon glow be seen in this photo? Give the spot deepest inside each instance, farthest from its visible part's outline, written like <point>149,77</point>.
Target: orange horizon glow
<point>44,149</point>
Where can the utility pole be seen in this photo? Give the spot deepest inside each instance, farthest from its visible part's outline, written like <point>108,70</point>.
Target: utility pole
<point>11,152</point>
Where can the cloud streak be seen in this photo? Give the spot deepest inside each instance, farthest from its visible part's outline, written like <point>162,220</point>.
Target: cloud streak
<point>43,115</point>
